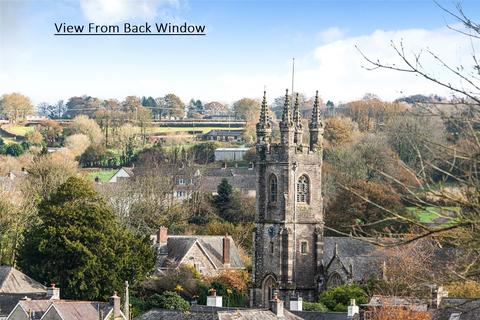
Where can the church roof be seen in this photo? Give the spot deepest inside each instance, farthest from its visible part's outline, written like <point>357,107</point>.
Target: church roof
<point>366,259</point>
<point>458,309</point>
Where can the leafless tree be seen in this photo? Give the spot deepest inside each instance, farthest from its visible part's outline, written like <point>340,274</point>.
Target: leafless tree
<point>454,162</point>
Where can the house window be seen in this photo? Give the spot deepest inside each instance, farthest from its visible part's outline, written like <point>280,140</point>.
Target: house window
<point>303,189</point>
<point>181,194</point>
<point>273,189</point>
<point>303,247</point>
<point>181,181</point>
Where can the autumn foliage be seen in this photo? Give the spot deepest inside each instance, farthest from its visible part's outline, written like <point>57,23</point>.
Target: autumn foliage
<point>397,313</point>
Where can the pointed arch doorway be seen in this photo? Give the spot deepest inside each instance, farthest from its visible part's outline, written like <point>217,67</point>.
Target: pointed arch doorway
<point>268,286</point>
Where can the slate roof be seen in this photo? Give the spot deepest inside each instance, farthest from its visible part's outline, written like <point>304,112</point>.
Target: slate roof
<point>178,246</point>
<point>14,286</point>
<point>365,258</point>
<point>411,303</point>
<point>161,314</point>
<point>37,307</point>
<point>128,170</point>
<point>229,133</point>
<point>240,178</point>
<point>214,246</point>
<point>68,310</point>
<point>81,310</point>
<point>13,281</point>
<point>215,314</point>
<point>317,315</point>
<point>254,314</point>
<point>466,309</point>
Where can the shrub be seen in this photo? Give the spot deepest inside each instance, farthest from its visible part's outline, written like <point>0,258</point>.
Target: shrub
<point>464,289</point>
<point>34,137</point>
<point>137,305</point>
<point>204,153</point>
<point>338,298</point>
<point>314,306</point>
<point>184,280</point>
<point>168,300</point>
<point>14,150</point>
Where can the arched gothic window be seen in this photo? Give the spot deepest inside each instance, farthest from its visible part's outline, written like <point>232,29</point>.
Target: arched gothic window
<point>335,280</point>
<point>303,189</point>
<point>273,189</point>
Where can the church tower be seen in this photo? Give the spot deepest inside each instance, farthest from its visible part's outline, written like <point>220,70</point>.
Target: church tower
<point>288,238</point>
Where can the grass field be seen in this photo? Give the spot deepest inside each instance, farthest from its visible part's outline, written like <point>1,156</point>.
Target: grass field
<point>434,214</point>
<point>104,175</point>
<point>183,129</point>
<point>7,140</point>
<point>18,130</point>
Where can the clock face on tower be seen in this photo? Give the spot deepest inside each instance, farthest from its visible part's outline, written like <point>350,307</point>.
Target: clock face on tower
<point>271,231</point>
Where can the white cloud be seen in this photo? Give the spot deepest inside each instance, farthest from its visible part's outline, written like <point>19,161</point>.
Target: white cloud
<point>113,11</point>
<point>337,68</point>
<point>331,34</point>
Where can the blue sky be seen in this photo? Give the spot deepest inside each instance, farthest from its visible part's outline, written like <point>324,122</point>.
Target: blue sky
<point>249,45</point>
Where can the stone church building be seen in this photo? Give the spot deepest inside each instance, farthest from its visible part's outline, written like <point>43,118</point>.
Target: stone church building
<point>291,255</point>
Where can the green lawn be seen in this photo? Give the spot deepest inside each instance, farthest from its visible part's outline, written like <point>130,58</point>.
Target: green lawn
<point>429,214</point>
<point>8,140</point>
<point>104,175</point>
<point>183,129</point>
<point>18,130</point>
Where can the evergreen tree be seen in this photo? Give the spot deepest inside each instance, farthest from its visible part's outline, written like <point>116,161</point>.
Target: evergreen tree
<point>223,199</point>
<point>79,245</point>
<point>15,149</point>
<point>228,203</point>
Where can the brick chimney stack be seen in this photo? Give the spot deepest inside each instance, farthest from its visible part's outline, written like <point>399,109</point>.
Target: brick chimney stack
<point>115,303</point>
<point>226,251</point>
<point>162,235</point>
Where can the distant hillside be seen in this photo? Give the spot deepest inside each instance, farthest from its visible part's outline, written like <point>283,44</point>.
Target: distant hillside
<point>420,98</point>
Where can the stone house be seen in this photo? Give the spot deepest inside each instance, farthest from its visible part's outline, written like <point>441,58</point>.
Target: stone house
<point>240,178</point>
<point>223,135</point>
<point>209,255</point>
<point>207,178</point>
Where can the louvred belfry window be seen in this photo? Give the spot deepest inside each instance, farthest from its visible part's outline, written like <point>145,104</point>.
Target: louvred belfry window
<point>273,189</point>
<point>303,189</point>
